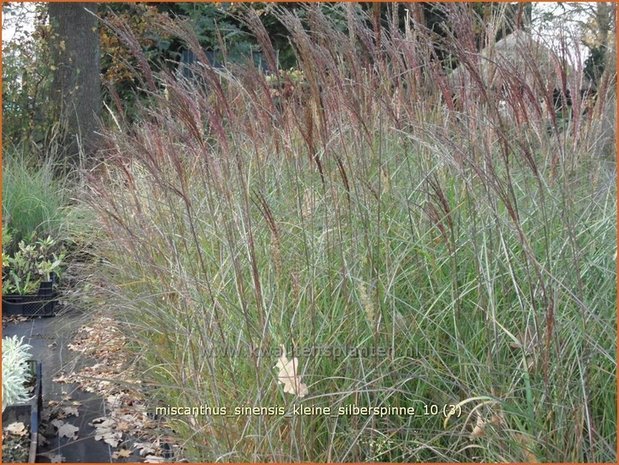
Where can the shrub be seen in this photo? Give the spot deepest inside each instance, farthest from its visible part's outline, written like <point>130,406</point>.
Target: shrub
<point>27,77</point>
<point>33,262</point>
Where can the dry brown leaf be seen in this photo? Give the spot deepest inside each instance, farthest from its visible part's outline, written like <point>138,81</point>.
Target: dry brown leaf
<point>102,422</point>
<point>154,459</point>
<point>68,431</point>
<point>70,411</point>
<point>113,438</point>
<point>498,419</point>
<point>62,378</point>
<point>57,423</point>
<point>144,448</point>
<point>479,428</point>
<point>105,430</point>
<point>18,429</point>
<point>121,454</point>
<point>114,400</point>
<point>288,375</point>
<point>123,426</point>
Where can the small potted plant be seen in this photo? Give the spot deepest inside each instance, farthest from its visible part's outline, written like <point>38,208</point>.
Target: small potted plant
<point>29,277</point>
<point>22,401</point>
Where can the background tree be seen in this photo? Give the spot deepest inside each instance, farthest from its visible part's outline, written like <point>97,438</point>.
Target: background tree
<point>600,38</point>
<point>76,88</point>
<point>26,71</point>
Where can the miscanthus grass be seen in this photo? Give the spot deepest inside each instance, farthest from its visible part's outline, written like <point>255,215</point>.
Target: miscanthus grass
<point>468,257</point>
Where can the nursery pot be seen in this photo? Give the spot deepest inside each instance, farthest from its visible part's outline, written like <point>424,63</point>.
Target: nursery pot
<point>33,305</point>
<point>29,413</point>
<point>46,288</point>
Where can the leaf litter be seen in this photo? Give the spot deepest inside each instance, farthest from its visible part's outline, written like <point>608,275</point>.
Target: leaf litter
<point>113,378</point>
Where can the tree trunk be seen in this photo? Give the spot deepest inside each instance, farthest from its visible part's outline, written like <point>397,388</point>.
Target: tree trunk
<point>77,84</point>
<point>603,18</point>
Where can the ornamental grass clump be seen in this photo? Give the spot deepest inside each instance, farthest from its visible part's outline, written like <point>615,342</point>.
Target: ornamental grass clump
<point>408,245</point>
<point>34,196</point>
<point>15,371</point>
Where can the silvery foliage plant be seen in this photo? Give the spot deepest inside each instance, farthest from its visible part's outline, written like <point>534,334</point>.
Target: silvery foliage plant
<point>15,355</point>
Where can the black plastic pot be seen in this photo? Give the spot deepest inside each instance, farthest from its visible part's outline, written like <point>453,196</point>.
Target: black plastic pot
<point>29,413</point>
<point>41,304</point>
<point>46,288</point>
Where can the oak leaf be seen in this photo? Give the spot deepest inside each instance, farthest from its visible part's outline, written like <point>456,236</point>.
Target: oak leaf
<point>288,375</point>
<point>17,429</point>
<point>68,431</point>
<point>121,454</point>
<point>478,430</point>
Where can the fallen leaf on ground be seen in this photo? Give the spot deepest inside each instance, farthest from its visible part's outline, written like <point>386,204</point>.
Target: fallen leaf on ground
<point>112,438</point>
<point>153,459</point>
<point>108,436</point>
<point>57,423</point>
<point>121,454</point>
<point>17,428</point>
<point>105,430</point>
<point>114,400</point>
<point>70,411</point>
<point>123,426</point>
<point>68,431</point>
<point>62,378</point>
<point>103,422</point>
<point>145,449</point>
